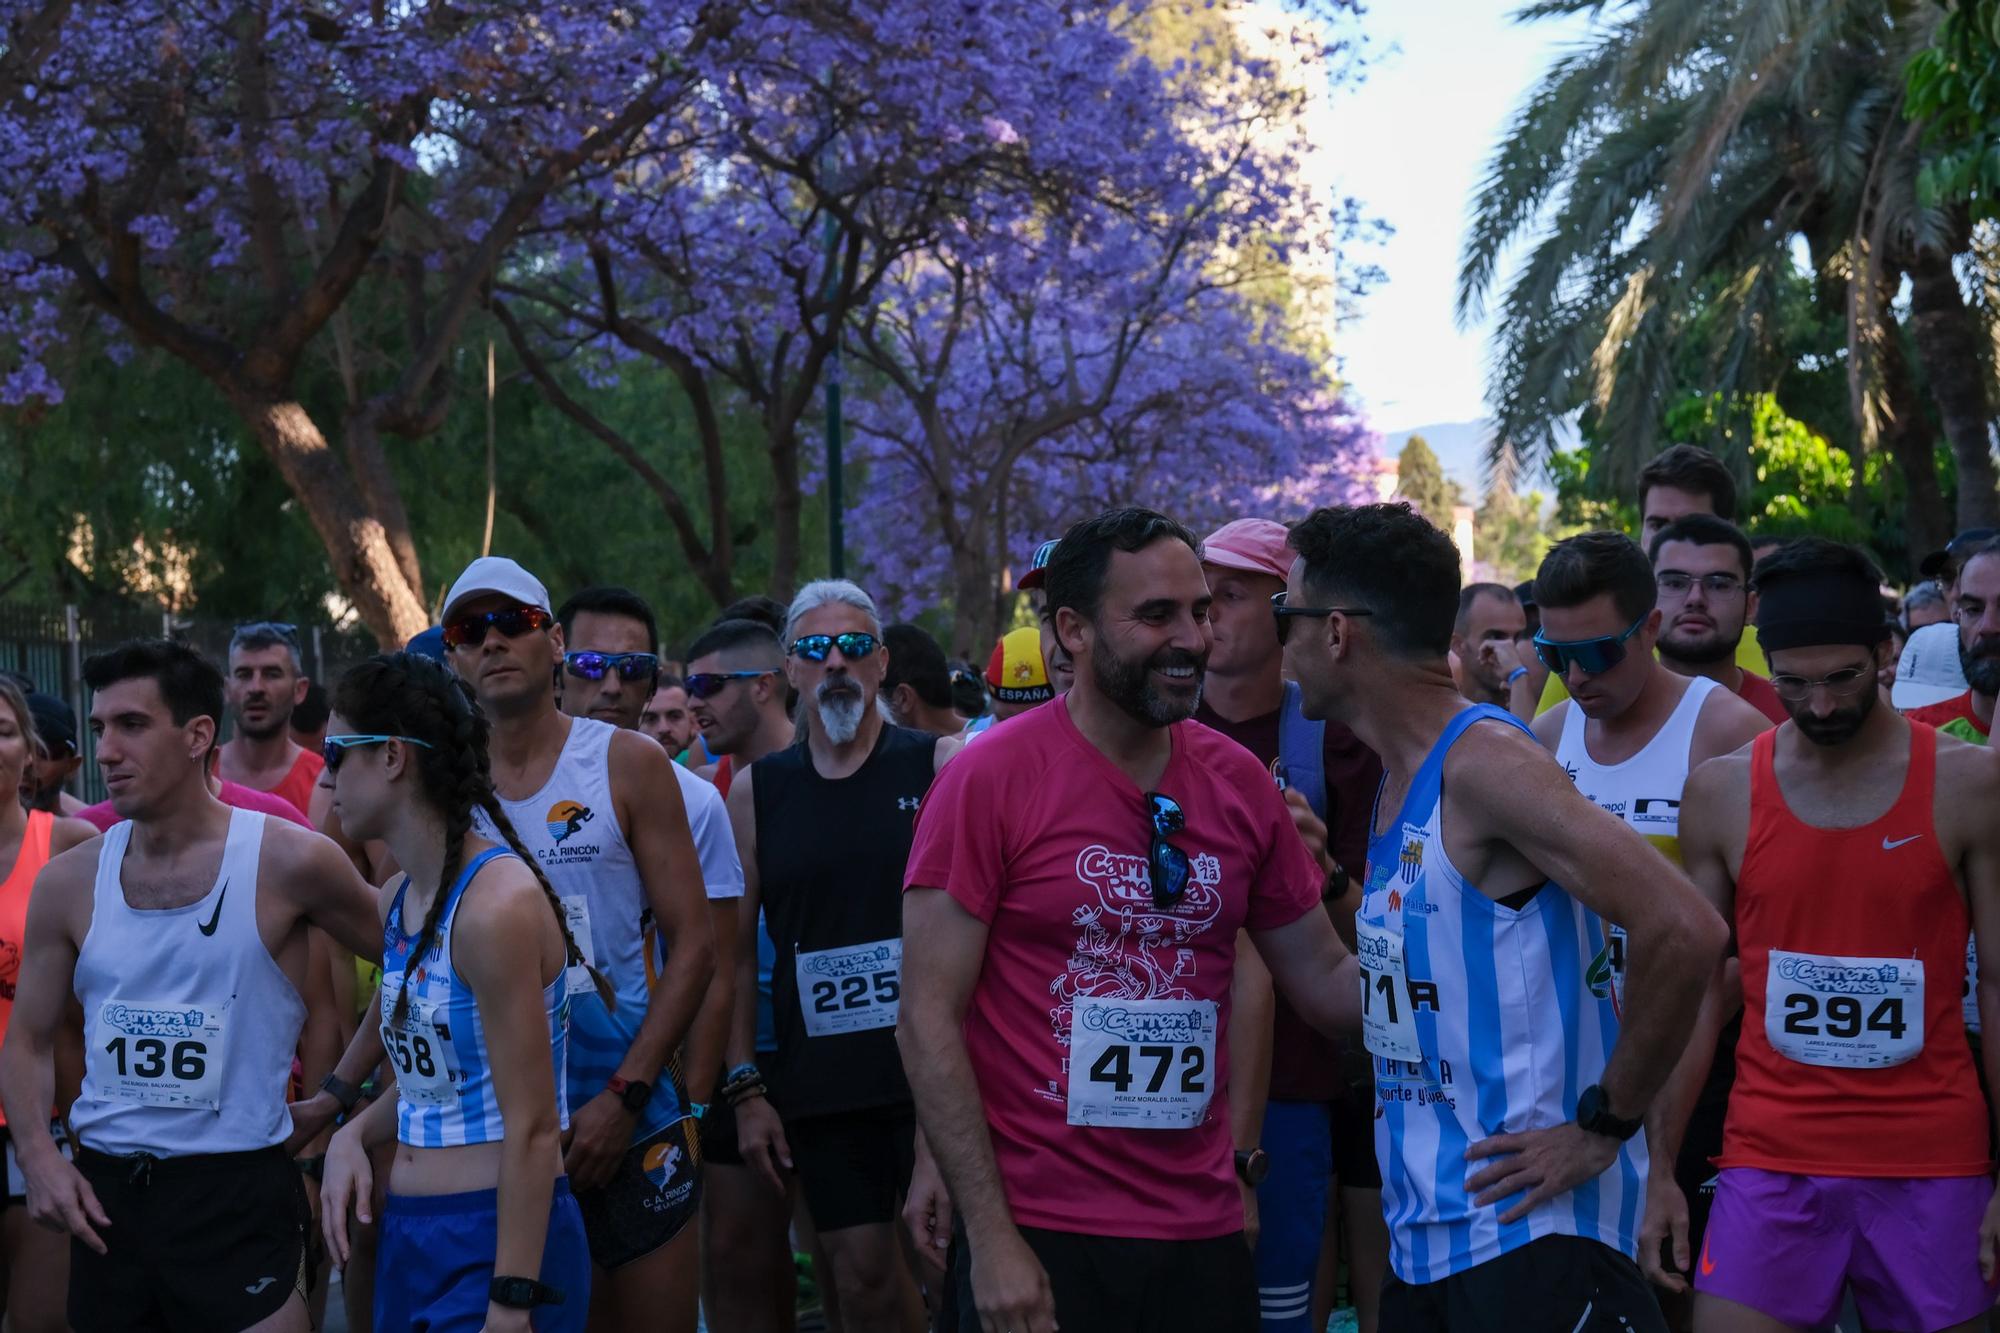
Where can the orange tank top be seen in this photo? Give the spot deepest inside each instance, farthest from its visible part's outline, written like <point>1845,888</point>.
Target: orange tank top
<point>14,890</point>
<point>1854,1059</point>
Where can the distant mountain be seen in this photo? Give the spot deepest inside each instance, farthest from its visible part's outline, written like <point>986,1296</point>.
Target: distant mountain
<point>1461,448</point>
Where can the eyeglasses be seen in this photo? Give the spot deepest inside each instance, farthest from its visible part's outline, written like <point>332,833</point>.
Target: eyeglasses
<point>1284,613</point>
<point>1674,583</point>
<point>334,748</point>
<point>708,684</point>
<point>629,666</point>
<point>470,631</point>
<point>852,645</point>
<point>1840,684</point>
<point>1167,865</point>
<point>1595,656</point>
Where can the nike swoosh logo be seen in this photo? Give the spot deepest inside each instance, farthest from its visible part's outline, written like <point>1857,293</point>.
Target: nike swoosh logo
<point>1707,1264</point>
<point>1889,846</point>
<point>208,927</point>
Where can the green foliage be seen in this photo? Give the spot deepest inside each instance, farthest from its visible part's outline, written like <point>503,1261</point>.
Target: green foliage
<point>1511,535</point>
<point>1420,479</point>
<point>1954,87</point>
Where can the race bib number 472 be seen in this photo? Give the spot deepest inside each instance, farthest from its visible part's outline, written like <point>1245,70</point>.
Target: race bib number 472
<point>1141,1064</point>
<point>158,1054</point>
<point>1848,1013</point>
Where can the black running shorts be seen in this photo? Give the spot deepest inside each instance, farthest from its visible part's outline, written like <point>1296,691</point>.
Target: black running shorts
<point>196,1244</point>
<point>1105,1284</point>
<point>1558,1284</point>
<point>854,1167</point>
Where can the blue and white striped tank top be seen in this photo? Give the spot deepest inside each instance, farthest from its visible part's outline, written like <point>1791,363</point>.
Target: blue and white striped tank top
<point>444,1070</point>
<point>1482,1020</point>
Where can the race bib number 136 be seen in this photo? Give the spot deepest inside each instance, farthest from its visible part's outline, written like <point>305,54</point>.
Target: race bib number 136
<point>158,1054</point>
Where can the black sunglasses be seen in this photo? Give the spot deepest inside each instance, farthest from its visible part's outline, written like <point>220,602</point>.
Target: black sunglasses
<point>853,645</point>
<point>1284,613</point>
<point>470,631</point>
<point>1167,865</point>
<point>708,684</point>
<point>629,666</point>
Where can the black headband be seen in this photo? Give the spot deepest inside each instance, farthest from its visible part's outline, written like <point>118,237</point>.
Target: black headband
<point>1816,609</point>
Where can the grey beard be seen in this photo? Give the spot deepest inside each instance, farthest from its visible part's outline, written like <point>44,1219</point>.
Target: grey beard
<point>840,714</point>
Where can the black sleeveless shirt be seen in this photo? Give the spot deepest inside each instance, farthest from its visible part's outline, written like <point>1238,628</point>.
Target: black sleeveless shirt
<point>830,860</point>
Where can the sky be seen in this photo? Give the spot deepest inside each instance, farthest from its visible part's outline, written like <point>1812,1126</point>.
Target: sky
<point>1414,142</point>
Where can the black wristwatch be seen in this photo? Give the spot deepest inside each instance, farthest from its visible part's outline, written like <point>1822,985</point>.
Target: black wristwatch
<point>522,1293</point>
<point>343,1092</point>
<point>1593,1114</point>
<point>633,1092</point>
<point>1252,1165</point>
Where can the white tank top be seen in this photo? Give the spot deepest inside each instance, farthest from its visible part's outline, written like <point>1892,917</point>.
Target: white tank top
<point>571,827</point>
<point>1645,790</point>
<point>189,1024</point>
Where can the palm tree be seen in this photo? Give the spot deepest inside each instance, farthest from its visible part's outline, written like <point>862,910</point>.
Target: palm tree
<point>1668,175</point>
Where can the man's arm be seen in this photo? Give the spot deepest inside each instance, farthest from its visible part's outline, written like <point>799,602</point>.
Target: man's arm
<point>1675,937</point>
<point>760,1135</point>
<point>721,874</point>
<point>326,889</point>
<point>944,947</point>
<point>1726,725</point>
<point>1315,972</point>
<point>1548,727</point>
<point>58,917</point>
<point>1252,1010</point>
<point>655,822</point>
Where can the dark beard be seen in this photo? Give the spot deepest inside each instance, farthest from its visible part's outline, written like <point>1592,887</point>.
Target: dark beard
<point>1705,653</point>
<point>1839,729</point>
<point>1981,666</point>
<point>1127,684</point>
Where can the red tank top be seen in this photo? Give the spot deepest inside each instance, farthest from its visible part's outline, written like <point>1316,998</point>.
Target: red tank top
<point>1827,922</point>
<point>14,890</point>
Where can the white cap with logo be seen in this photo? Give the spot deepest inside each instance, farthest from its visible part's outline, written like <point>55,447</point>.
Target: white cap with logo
<point>1929,671</point>
<point>496,574</point>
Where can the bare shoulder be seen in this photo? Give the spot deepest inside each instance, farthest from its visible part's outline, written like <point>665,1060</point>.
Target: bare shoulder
<point>294,848</point>
<point>67,885</point>
<point>1720,782</point>
<point>1548,726</point>
<point>77,865</point>
<point>1965,769</point>
<point>947,746</point>
<point>1488,748</point>
<point>509,903</point>
<point>1726,723</point>
<point>67,833</point>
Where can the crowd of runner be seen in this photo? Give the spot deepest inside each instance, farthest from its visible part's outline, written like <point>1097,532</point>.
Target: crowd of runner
<point>1276,917</point>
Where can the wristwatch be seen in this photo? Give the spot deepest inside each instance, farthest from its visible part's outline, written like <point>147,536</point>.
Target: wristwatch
<point>1252,1165</point>
<point>342,1091</point>
<point>1593,1115</point>
<point>523,1293</point>
<point>633,1092</point>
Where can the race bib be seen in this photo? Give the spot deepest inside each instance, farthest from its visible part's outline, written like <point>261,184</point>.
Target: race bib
<point>1388,1027</point>
<point>576,911</point>
<point>851,989</point>
<point>419,1045</point>
<point>1141,1064</point>
<point>158,1054</point>
<point>1971,999</point>
<point>1848,1013</point>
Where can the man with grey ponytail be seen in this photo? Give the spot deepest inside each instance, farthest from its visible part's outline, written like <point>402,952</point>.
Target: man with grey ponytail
<point>824,828</point>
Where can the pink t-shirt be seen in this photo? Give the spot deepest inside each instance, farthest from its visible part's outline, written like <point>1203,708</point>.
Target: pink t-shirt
<point>232,794</point>
<point>1041,837</point>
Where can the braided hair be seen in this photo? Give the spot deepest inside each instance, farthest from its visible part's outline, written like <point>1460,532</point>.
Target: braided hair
<point>406,694</point>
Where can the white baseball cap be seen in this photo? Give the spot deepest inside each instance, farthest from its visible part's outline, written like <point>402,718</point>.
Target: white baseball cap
<point>1929,671</point>
<point>497,574</point>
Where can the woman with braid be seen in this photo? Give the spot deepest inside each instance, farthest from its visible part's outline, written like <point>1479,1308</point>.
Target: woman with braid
<point>477,962</point>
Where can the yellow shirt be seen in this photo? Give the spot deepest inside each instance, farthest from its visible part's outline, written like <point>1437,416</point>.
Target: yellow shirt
<point>1749,656</point>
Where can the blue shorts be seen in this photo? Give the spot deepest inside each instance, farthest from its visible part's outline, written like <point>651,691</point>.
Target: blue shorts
<point>435,1263</point>
<point>1291,1212</point>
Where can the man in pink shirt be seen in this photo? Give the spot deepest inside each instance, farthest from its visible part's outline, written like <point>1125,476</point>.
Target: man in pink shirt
<point>1073,899</point>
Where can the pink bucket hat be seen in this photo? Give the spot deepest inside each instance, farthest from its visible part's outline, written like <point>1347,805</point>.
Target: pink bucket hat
<point>1254,545</point>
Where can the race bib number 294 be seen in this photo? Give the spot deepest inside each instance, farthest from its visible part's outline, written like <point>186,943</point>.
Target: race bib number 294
<point>1848,1013</point>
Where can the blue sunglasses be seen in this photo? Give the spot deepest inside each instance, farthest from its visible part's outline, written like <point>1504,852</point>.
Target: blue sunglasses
<point>334,748</point>
<point>1595,656</point>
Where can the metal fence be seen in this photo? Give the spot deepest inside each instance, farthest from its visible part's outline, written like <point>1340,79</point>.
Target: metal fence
<point>48,644</point>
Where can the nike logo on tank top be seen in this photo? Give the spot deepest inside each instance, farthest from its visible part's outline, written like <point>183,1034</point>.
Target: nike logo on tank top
<point>188,1033</point>
<point>1482,1020</point>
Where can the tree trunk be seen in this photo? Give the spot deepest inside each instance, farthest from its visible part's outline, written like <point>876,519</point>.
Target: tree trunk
<point>1907,437</point>
<point>1947,340</point>
<point>358,545</point>
<point>974,626</point>
<point>787,505</point>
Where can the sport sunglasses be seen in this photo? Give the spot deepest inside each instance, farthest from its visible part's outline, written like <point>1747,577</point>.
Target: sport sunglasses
<point>708,684</point>
<point>1167,865</point>
<point>334,748</point>
<point>1284,612</point>
<point>470,631</point>
<point>629,666</point>
<point>853,645</point>
<point>1595,656</point>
